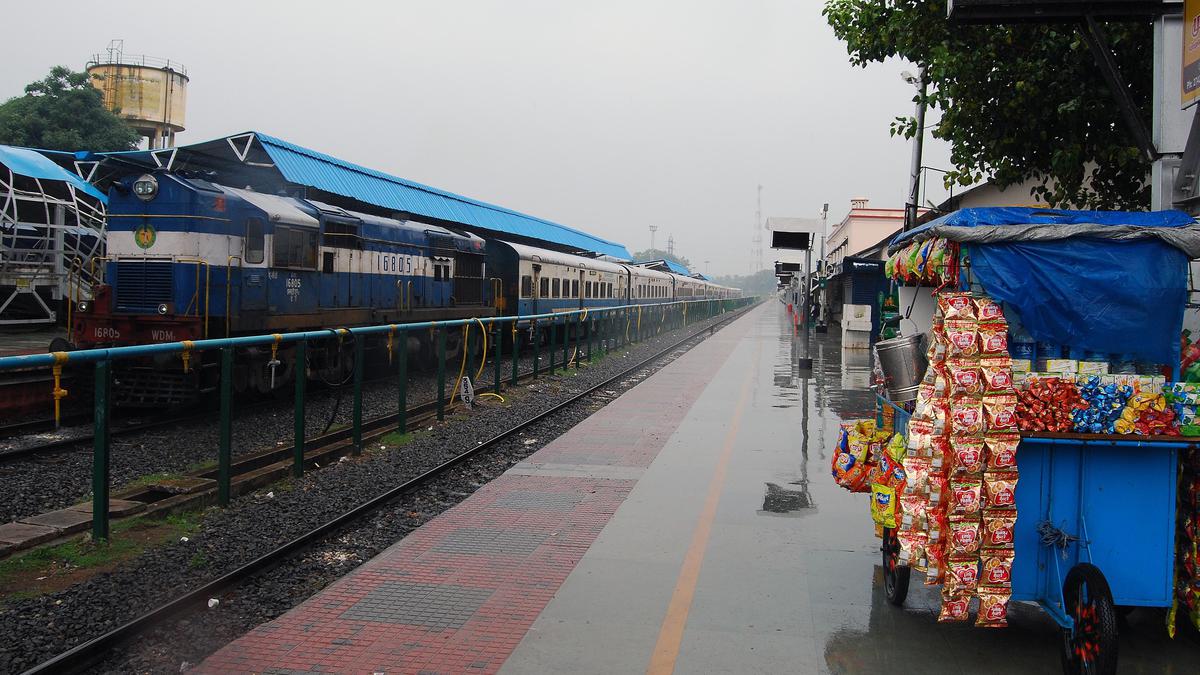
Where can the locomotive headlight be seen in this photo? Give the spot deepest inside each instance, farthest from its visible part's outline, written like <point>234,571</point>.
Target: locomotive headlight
<point>145,187</point>
<point>83,306</point>
<point>162,309</point>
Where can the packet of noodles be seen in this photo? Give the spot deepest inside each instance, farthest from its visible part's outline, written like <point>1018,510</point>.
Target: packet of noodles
<point>993,607</point>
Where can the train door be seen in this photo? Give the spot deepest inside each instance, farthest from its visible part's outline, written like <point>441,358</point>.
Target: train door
<point>252,285</point>
<point>582,284</point>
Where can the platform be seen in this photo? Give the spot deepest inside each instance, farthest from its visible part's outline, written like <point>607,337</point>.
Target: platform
<point>689,526</point>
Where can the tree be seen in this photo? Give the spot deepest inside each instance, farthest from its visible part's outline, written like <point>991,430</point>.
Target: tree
<point>762,282</point>
<point>64,112</point>
<point>1017,102</point>
<point>656,254</point>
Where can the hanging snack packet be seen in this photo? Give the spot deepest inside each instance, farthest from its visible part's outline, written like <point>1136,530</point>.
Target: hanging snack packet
<point>964,377</point>
<point>956,305</point>
<point>920,435</point>
<point>1001,412</point>
<point>937,525</point>
<point>1000,490</point>
<point>1002,451</point>
<point>939,490</point>
<point>939,453</point>
<point>966,416</point>
<point>955,606</point>
<point>883,505</point>
<point>967,453</point>
<point>912,546</point>
<point>998,529</point>
<point>916,475</point>
<point>962,338</point>
<point>997,374</point>
<point>993,607</point>
<point>962,574</point>
<point>913,510</point>
<point>935,563</point>
<point>987,309</point>
<point>993,339</point>
<point>997,568</point>
<point>966,535</point>
<point>964,496</point>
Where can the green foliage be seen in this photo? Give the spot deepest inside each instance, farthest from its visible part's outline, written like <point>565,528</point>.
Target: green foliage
<point>759,283</point>
<point>1017,102</point>
<point>63,112</point>
<point>656,254</point>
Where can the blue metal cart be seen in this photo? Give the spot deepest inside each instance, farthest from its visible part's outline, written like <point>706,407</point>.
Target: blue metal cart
<point>1096,531</point>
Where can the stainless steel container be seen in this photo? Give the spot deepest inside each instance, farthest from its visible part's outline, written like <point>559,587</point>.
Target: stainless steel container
<point>902,361</point>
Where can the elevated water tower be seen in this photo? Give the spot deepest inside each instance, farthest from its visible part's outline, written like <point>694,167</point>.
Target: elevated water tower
<point>147,92</point>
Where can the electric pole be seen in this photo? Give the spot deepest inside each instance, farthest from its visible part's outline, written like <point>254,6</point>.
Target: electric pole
<point>653,229</point>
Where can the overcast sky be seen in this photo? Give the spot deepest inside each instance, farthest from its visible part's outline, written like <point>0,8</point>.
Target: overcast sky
<point>605,116</point>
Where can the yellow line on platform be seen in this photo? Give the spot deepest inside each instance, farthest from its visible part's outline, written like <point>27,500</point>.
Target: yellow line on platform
<point>670,635</point>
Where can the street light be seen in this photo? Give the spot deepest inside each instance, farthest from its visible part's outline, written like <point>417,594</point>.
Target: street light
<point>914,177</point>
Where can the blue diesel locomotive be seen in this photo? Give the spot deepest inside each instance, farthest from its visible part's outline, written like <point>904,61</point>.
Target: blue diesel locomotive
<point>189,259</point>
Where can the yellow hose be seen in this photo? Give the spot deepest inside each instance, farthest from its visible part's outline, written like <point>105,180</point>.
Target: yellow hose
<point>488,393</point>
<point>483,360</point>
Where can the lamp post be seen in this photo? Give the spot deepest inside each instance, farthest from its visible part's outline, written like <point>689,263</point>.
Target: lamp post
<point>914,176</point>
<point>822,272</point>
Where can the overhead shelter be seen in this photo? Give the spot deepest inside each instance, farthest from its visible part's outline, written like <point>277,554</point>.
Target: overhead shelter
<point>272,165</point>
<point>664,265</point>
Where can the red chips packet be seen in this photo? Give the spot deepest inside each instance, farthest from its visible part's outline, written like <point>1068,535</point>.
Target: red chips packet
<point>966,534</point>
<point>962,574</point>
<point>1002,451</point>
<point>997,373</point>
<point>962,338</point>
<point>1001,412</point>
<point>998,529</point>
<point>997,568</point>
<point>993,339</point>
<point>965,496</point>
<point>966,453</point>
<point>955,606</point>
<point>964,377</point>
<point>956,305</point>
<point>993,607</point>
<point>987,309</point>
<point>1000,490</point>
<point>966,416</point>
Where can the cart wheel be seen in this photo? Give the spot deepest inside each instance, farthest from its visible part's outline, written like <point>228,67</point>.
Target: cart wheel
<point>895,575</point>
<point>1092,646</point>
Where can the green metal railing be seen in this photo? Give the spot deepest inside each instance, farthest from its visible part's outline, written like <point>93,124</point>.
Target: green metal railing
<point>596,331</point>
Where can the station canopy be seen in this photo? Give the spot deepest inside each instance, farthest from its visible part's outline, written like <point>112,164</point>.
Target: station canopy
<point>271,165</point>
<point>31,164</point>
<point>664,265</point>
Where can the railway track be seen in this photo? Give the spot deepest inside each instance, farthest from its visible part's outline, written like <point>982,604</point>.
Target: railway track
<point>92,651</point>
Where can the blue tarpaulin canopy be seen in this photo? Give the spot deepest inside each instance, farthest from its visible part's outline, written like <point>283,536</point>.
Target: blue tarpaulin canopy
<point>1104,281</point>
<point>30,163</point>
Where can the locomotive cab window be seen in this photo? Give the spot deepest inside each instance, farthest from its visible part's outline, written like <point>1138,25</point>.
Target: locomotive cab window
<point>526,286</point>
<point>294,247</point>
<point>255,245</point>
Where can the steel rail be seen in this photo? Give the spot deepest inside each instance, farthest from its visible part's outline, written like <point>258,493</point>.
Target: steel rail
<point>92,651</point>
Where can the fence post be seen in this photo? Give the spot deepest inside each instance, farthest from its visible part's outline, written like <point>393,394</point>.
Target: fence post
<point>537,348</point>
<point>516,353</point>
<point>225,451</point>
<point>298,408</point>
<point>441,374</point>
<point>358,384</point>
<point>402,378</point>
<point>498,354</point>
<point>100,447</point>
<point>566,361</point>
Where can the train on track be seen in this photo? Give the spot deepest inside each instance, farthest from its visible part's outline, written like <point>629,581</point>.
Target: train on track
<point>189,259</point>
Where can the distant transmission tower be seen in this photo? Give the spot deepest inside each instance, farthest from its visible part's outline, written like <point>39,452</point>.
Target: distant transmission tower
<point>653,229</point>
<point>758,237</point>
<point>670,244</point>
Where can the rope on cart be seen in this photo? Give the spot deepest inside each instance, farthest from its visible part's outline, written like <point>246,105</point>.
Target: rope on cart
<point>1052,535</point>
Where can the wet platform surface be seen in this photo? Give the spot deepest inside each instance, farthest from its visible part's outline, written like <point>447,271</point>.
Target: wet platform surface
<point>690,526</point>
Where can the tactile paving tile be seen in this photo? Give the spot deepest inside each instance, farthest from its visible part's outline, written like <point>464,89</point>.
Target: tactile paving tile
<point>487,541</point>
<point>432,605</point>
<point>538,501</point>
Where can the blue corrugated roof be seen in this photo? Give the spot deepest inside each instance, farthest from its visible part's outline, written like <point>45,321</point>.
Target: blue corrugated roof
<point>33,164</point>
<point>672,266</point>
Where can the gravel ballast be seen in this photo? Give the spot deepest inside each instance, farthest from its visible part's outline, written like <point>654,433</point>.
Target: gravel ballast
<point>37,629</point>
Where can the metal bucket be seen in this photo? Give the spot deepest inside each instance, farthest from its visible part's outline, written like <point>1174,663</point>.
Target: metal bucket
<point>903,363</point>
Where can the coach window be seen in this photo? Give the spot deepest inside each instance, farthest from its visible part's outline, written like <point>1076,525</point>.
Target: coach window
<point>554,285</point>
<point>294,247</point>
<point>526,286</point>
<point>574,288</point>
<point>544,288</point>
<point>256,241</point>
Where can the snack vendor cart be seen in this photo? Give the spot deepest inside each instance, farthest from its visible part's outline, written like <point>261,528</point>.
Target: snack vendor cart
<point>1097,524</point>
